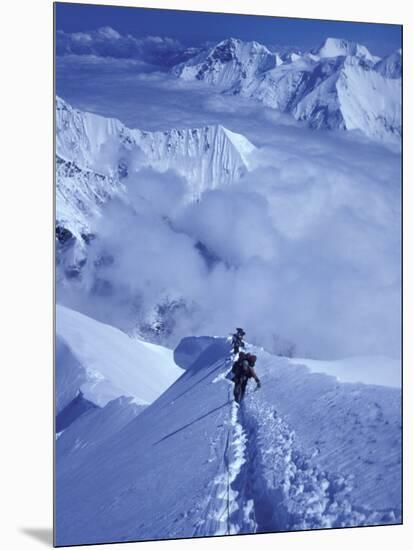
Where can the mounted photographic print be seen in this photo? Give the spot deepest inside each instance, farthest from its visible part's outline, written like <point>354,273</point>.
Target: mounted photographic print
<point>228,274</point>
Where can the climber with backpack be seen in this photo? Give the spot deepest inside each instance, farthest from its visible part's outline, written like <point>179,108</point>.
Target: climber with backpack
<point>242,371</point>
<point>237,340</point>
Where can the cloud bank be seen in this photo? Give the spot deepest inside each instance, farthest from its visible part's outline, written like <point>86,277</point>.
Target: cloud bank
<point>301,252</point>
<point>305,249</point>
<point>107,42</point>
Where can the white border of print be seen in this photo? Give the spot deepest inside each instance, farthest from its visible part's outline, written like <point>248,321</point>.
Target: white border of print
<point>26,275</point>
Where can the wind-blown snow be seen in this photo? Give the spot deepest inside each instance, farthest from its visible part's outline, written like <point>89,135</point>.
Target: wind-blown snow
<point>304,452</point>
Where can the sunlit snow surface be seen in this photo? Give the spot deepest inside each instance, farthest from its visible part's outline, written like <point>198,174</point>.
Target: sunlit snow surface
<point>304,452</point>
<point>108,363</point>
<point>380,370</point>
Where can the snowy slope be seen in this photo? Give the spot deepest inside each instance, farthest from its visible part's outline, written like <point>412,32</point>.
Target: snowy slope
<point>304,452</point>
<point>104,363</point>
<point>283,88</point>
<point>355,99</point>
<point>207,157</point>
<point>80,192</point>
<point>96,425</point>
<point>380,370</point>
<point>339,85</point>
<point>227,63</point>
<point>390,66</point>
<point>335,47</point>
<point>88,140</point>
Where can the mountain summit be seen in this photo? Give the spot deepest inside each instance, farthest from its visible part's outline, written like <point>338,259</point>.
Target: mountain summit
<point>227,63</point>
<point>335,47</point>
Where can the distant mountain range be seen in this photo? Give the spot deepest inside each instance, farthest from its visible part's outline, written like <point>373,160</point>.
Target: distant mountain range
<point>339,85</point>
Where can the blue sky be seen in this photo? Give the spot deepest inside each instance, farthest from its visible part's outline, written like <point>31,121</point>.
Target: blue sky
<point>192,28</point>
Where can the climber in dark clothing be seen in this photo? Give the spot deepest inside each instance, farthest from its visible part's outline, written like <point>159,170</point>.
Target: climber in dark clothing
<point>243,370</point>
<point>237,340</point>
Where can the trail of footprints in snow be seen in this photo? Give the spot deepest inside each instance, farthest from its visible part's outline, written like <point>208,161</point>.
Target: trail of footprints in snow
<point>266,484</point>
<point>290,491</point>
<point>227,512</point>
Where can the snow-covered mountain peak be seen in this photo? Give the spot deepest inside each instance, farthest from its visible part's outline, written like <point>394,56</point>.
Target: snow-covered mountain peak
<point>96,154</point>
<point>238,48</point>
<point>227,63</point>
<point>334,47</point>
<point>229,44</point>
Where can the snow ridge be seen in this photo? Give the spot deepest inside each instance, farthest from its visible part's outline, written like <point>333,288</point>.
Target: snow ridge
<point>228,510</point>
<point>96,154</point>
<point>109,363</point>
<point>267,483</point>
<point>208,156</point>
<point>259,467</point>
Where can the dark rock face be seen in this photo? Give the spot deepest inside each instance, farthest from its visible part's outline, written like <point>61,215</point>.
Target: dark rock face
<point>88,237</point>
<point>224,52</point>
<point>123,170</point>
<point>63,235</point>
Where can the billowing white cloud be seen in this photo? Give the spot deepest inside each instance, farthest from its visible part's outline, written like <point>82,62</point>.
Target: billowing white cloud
<point>234,224</point>
<point>306,247</point>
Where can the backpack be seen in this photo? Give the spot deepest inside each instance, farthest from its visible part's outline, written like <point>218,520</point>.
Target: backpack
<point>241,368</point>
